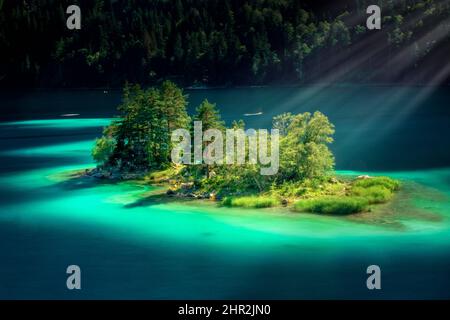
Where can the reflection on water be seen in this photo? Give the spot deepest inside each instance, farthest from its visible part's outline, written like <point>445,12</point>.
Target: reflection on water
<point>130,243</point>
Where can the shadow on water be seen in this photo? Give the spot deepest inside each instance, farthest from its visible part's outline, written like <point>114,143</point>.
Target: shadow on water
<point>9,163</point>
<point>60,187</point>
<point>157,198</point>
<point>78,180</point>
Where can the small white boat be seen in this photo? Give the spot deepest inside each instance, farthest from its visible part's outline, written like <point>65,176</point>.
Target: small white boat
<point>252,114</point>
<point>70,115</point>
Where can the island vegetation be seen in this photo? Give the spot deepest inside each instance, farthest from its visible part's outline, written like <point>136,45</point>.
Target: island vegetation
<point>137,145</point>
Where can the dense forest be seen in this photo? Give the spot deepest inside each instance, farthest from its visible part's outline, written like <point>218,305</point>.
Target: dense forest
<point>222,42</point>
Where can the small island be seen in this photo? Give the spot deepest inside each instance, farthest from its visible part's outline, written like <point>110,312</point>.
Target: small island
<point>138,144</point>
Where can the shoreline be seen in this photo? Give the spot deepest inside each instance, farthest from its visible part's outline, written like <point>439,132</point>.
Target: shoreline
<point>393,216</point>
<point>173,187</point>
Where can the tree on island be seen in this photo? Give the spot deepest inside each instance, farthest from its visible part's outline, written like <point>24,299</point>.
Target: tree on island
<point>140,139</point>
<point>140,142</point>
<point>282,122</point>
<point>304,148</point>
<point>209,116</point>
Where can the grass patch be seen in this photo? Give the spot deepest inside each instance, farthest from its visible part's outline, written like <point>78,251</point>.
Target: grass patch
<point>332,205</point>
<point>162,175</point>
<point>375,189</point>
<point>386,182</point>
<point>250,202</point>
<point>374,194</point>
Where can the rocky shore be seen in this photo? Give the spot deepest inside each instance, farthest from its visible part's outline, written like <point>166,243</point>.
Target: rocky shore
<point>114,174</point>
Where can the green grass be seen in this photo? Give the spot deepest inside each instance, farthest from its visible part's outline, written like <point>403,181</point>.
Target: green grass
<point>332,205</point>
<point>375,189</point>
<point>362,193</point>
<point>386,182</point>
<point>162,175</point>
<point>336,197</point>
<point>374,194</point>
<point>250,202</point>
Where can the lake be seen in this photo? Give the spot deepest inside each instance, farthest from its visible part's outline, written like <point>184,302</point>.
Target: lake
<point>133,249</point>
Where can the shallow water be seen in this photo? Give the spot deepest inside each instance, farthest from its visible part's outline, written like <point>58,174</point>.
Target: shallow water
<point>129,244</point>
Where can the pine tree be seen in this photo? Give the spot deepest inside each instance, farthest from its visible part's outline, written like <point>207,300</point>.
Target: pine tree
<point>210,118</point>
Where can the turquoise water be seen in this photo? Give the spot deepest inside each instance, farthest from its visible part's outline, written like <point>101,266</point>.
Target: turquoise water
<point>130,244</point>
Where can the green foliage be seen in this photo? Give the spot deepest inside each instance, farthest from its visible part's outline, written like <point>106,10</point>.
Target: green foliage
<point>103,149</point>
<point>282,122</point>
<point>211,42</point>
<point>162,175</point>
<point>309,189</point>
<point>250,202</point>
<point>142,135</point>
<point>363,192</point>
<point>224,180</point>
<point>386,182</point>
<point>374,194</point>
<point>375,189</point>
<point>210,118</point>
<point>305,160</point>
<point>304,153</point>
<point>104,146</point>
<point>140,141</point>
<point>332,205</point>
<point>209,115</point>
<point>240,124</point>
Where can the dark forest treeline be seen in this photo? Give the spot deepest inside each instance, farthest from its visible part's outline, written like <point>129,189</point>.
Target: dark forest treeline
<point>220,42</point>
